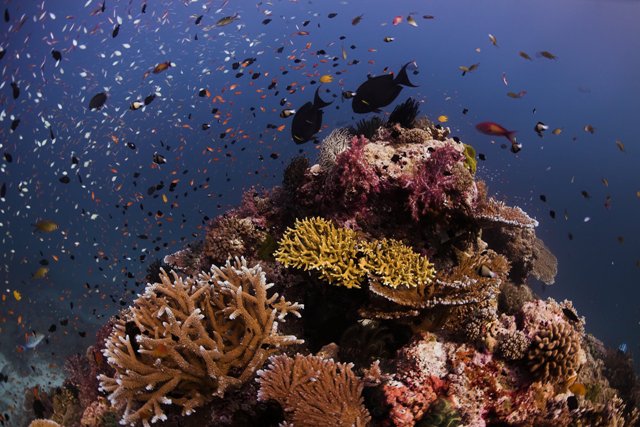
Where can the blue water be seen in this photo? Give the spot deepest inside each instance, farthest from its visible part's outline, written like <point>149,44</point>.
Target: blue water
<point>593,81</point>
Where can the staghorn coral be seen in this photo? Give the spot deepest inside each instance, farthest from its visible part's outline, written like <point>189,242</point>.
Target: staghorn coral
<point>185,341</point>
<point>391,263</point>
<point>554,354</point>
<point>337,142</point>
<point>230,236</point>
<point>317,244</point>
<point>314,391</point>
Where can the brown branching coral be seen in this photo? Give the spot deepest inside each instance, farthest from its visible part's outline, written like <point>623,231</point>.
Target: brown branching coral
<point>185,341</point>
<point>314,391</point>
<point>44,423</point>
<point>554,353</point>
<point>230,236</point>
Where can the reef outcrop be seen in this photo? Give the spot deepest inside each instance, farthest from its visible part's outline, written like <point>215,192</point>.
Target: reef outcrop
<point>417,310</point>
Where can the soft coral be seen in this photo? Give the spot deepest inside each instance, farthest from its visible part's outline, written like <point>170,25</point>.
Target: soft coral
<point>433,182</point>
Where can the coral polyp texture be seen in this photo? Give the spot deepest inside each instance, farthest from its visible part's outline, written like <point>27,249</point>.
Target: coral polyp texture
<point>185,341</point>
<point>317,244</point>
<point>419,307</point>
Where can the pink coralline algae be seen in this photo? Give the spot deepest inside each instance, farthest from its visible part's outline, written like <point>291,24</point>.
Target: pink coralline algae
<point>353,177</point>
<point>419,380</point>
<point>436,183</point>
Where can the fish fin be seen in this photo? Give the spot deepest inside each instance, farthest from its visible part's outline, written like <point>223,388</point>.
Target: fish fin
<point>403,78</point>
<point>318,102</point>
<point>511,136</point>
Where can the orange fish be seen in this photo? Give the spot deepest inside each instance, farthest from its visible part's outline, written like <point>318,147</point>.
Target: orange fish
<point>491,128</point>
<point>161,67</point>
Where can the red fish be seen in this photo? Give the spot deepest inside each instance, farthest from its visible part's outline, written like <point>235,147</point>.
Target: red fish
<point>491,128</point>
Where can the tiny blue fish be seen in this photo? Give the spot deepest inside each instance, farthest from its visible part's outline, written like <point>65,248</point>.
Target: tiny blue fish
<point>622,348</point>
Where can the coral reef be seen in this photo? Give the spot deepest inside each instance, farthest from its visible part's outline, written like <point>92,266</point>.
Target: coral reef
<point>314,391</point>
<point>431,322</point>
<point>186,340</point>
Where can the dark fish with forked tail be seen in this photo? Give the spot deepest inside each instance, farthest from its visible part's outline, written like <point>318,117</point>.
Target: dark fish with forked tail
<point>307,121</point>
<point>380,91</point>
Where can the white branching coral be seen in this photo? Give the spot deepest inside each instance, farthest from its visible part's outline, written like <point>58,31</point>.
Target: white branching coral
<point>185,341</point>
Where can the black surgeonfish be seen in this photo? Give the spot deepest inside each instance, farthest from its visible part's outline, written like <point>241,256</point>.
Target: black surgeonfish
<point>380,91</point>
<point>98,101</point>
<point>308,120</point>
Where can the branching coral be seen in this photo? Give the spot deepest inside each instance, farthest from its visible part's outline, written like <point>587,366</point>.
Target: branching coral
<point>391,263</point>
<point>186,340</point>
<point>554,354</point>
<point>44,423</point>
<point>317,244</point>
<point>314,391</point>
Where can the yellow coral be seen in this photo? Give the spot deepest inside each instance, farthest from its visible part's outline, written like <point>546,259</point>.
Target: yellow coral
<point>317,244</point>
<point>392,263</point>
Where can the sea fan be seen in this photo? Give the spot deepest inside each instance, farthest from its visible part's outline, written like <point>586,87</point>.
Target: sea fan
<point>367,127</point>
<point>405,114</point>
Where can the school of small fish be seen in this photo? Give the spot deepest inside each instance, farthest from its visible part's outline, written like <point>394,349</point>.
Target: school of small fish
<point>124,125</point>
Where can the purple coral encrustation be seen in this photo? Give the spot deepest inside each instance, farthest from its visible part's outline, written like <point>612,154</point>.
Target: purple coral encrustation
<point>354,177</point>
<point>433,182</point>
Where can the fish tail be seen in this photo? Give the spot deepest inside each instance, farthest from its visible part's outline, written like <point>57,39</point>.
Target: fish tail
<point>402,78</point>
<point>318,102</point>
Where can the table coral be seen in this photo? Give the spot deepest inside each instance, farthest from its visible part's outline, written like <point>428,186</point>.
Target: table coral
<point>314,391</point>
<point>185,341</point>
